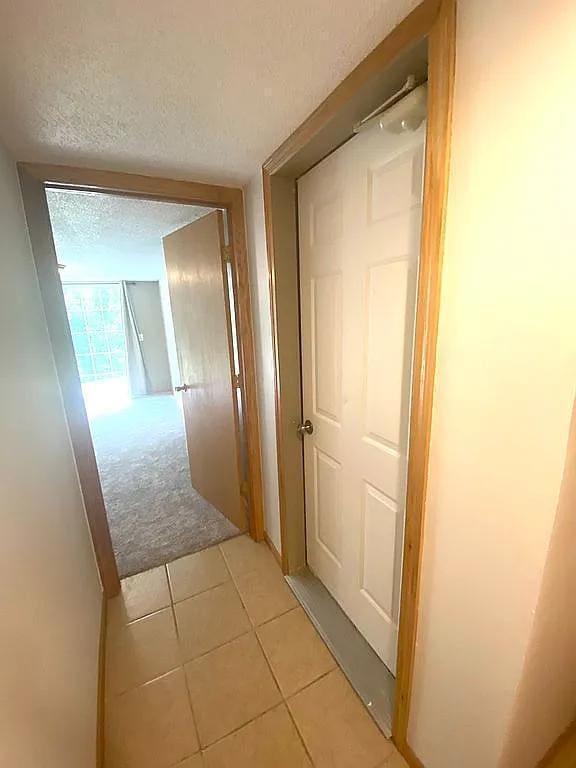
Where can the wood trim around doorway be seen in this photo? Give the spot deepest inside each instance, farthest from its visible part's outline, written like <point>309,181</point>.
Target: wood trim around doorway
<point>432,23</point>
<point>35,179</point>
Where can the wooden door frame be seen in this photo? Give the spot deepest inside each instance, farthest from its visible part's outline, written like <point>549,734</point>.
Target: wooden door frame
<point>433,21</point>
<point>35,179</point>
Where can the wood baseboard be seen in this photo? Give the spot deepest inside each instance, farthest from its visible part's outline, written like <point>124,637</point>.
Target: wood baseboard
<point>273,549</point>
<point>562,754</point>
<point>409,755</point>
<point>100,711</point>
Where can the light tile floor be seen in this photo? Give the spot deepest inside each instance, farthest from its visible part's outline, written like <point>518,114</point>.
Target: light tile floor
<point>211,663</point>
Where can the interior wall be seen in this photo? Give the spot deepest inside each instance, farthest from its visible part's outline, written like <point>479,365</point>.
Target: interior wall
<point>150,324</point>
<point>50,595</point>
<point>546,699</point>
<point>506,377</point>
<point>169,330</point>
<point>256,237</point>
<point>505,385</point>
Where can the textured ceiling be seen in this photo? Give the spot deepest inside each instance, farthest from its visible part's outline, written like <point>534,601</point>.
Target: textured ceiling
<point>179,87</point>
<point>106,237</point>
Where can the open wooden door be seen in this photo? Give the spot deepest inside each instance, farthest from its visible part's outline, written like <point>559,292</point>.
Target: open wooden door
<point>198,293</point>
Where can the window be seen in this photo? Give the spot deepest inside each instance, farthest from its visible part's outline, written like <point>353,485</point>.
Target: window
<point>97,325</point>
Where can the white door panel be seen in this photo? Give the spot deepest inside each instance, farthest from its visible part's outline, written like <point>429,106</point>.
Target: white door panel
<point>359,229</point>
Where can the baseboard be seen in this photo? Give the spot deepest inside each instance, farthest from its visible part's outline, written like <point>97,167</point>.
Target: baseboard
<point>273,549</point>
<point>562,754</point>
<point>408,754</point>
<point>100,711</point>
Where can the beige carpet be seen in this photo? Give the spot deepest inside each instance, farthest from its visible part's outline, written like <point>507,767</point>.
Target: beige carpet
<point>155,515</point>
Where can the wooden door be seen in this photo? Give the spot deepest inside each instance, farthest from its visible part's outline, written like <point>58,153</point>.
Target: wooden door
<point>359,237</point>
<point>197,282</point>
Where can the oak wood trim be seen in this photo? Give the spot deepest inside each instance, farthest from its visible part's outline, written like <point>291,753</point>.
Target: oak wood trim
<point>411,758</point>
<point>194,193</point>
<point>413,28</point>
<point>114,182</point>
<point>40,232</point>
<point>101,710</point>
<point>230,332</point>
<point>270,253</point>
<point>441,62</point>
<point>562,754</point>
<point>248,385</point>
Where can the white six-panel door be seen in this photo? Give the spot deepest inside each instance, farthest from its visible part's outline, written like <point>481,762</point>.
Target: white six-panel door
<point>359,233</point>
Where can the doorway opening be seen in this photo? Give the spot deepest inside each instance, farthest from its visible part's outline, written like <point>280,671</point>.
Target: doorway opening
<point>205,344</point>
<point>114,267</point>
<point>359,216</point>
<point>354,308</point>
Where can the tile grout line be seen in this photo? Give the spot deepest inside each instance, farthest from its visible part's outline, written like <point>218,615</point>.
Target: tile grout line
<point>240,727</point>
<point>220,645</point>
<point>201,592</point>
<point>254,627</point>
<point>252,630</point>
<point>336,666</point>
<point>217,647</point>
<point>252,622</point>
<point>284,699</point>
<point>182,660</point>
<point>180,655</point>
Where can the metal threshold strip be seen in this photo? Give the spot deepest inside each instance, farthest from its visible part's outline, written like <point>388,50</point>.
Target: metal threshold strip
<point>367,673</point>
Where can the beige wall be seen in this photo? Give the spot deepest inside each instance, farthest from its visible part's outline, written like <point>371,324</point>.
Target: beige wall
<point>49,588</point>
<point>504,396</point>
<point>546,700</point>
<point>169,330</point>
<point>506,376</point>
<point>152,349</point>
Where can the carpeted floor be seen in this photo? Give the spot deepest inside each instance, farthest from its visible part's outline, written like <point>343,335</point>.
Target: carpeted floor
<point>155,515</point>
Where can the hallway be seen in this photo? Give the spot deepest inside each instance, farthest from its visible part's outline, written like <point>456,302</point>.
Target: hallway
<point>211,663</point>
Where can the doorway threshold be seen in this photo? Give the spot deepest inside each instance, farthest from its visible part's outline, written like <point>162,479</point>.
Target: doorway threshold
<point>366,672</point>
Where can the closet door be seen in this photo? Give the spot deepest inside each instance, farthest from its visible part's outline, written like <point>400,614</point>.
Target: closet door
<point>359,236</point>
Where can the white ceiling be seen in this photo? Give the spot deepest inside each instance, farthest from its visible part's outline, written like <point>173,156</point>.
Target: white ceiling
<point>106,237</point>
<point>181,88</point>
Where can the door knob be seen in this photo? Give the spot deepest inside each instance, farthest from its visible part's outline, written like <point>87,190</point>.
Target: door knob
<point>182,388</point>
<point>306,428</point>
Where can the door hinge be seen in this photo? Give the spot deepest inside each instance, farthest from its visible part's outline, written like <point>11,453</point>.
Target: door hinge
<point>227,253</point>
<point>237,379</point>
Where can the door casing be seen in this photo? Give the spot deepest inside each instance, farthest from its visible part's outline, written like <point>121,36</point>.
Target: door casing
<point>34,180</point>
<point>433,22</point>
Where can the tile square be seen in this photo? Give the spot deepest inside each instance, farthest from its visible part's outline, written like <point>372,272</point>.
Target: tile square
<point>243,554</point>
<point>394,761</point>
<point>151,726</point>
<point>196,573</point>
<point>229,687</point>
<point>141,651</point>
<point>270,740</point>
<point>296,652</point>
<point>196,761</point>
<point>209,620</point>
<point>265,593</point>
<point>140,595</point>
<point>335,726</point>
